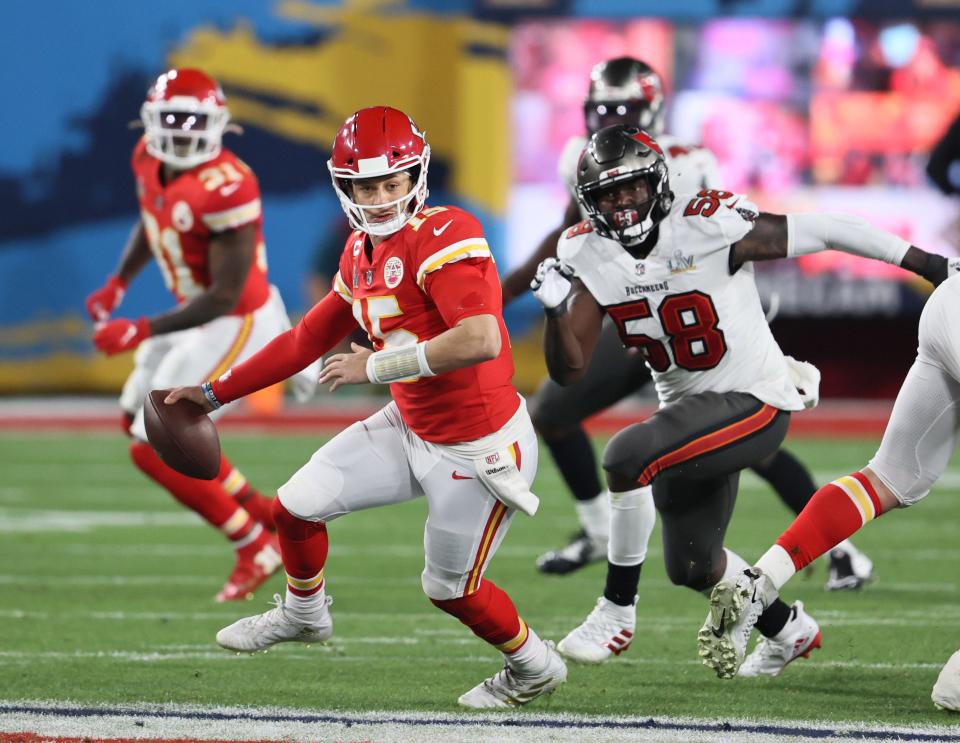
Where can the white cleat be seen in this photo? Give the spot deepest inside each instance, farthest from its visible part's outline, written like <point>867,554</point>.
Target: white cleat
<point>849,569</point>
<point>511,688</point>
<point>799,636</point>
<point>261,631</point>
<point>608,630</point>
<point>946,692</point>
<point>735,606</point>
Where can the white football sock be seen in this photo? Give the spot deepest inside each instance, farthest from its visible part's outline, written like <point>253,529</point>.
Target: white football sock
<point>594,516</point>
<point>632,518</point>
<point>532,657</point>
<point>307,609</point>
<point>776,565</point>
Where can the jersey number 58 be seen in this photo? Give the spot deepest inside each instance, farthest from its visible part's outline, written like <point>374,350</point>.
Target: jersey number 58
<point>689,321</point>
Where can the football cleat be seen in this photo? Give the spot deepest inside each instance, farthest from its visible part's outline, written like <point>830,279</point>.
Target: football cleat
<point>799,636</point>
<point>946,692</point>
<point>735,606</point>
<point>608,630</point>
<point>850,569</point>
<point>261,631</point>
<point>255,564</point>
<point>511,688</point>
<point>582,550</point>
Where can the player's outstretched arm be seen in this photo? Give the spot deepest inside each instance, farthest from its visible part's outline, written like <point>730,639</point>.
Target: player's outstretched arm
<point>791,235</point>
<point>317,332</point>
<point>136,254</point>
<point>518,281</point>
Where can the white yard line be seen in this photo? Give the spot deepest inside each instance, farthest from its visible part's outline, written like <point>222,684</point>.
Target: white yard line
<point>166,722</point>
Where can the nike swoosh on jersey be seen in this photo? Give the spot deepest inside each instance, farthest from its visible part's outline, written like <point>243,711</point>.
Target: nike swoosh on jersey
<point>229,188</point>
<point>437,231</point>
<point>457,476</point>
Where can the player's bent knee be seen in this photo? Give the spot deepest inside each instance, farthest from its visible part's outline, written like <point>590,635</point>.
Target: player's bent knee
<point>626,454</point>
<point>896,486</point>
<point>469,608</point>
<point>313,493</point>
<point>692,573</point>
<point>293,527</point>
<point>441,585</point>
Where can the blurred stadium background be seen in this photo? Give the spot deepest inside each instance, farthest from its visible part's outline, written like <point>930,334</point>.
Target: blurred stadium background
<point>833,108</point>
<point>808,104</point>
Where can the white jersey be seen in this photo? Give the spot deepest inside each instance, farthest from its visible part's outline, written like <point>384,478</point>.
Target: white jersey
<point>700,327</point>
<point>691,167</point>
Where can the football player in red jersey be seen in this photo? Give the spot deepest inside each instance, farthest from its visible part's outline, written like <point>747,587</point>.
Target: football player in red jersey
<point>200,219</point>
<point>423,285</point>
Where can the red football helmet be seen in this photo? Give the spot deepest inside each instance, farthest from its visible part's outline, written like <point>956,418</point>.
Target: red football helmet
<point>375,142</point>
<point>185,114</point>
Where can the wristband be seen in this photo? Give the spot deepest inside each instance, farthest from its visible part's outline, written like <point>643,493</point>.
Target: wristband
<point>394,364</point>
<point>207,388</point>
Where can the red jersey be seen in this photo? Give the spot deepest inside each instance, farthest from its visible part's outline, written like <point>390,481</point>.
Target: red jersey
<point>390,296</point>
<point>180,217</point>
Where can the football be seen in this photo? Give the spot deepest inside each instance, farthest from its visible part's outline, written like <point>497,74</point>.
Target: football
<point>182,435</point>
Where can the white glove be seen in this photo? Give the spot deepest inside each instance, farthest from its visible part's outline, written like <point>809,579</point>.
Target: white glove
<point>551,284</point>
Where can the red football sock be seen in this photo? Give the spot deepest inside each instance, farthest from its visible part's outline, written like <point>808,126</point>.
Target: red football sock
<point>303,546</point>
<point>835,511</point>
<point>491,616</point>
<point>244,494</point>
<point>205,497</point>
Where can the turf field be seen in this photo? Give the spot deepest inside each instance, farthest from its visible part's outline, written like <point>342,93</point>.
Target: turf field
<point>106,586</point>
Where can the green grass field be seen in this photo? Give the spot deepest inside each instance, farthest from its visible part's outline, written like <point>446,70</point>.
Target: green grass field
<point>106,586</point>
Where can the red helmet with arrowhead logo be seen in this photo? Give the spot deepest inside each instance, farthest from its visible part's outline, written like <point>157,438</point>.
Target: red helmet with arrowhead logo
<point>375,142</point>
<point>184,116</point>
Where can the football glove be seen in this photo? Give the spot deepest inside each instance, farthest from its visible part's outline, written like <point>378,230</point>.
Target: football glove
<point>551,284</point>
<point>119,335</point>
<point>101,303</point>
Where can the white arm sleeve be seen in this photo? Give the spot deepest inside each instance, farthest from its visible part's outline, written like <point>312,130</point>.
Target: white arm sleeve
<point>811,233</point>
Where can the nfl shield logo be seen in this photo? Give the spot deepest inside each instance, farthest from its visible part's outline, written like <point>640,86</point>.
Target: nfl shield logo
<point>641,268</point>
<point>492,459</point>
<point>368,277</point>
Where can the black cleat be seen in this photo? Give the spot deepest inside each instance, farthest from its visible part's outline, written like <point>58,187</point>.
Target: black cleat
<point>848,570</point>
<point>581,551</point>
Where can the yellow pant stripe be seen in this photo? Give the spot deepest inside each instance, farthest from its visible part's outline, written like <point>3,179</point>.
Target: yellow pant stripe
<point>235,348</point>
<point>493,523</point>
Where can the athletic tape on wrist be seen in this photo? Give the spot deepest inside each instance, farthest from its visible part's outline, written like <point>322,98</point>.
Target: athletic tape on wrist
<point>394,364</point>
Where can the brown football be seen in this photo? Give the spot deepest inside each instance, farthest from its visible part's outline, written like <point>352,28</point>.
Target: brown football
<point>182,435</point>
